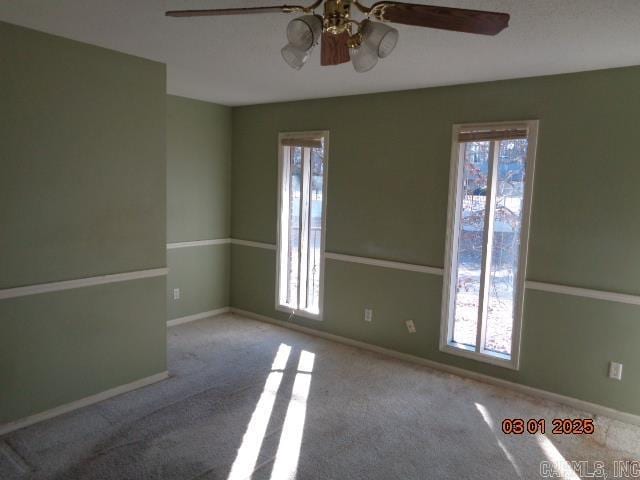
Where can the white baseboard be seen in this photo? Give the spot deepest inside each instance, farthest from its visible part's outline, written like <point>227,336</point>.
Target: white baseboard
<point>197,316</point>
<point>83,402</point>
<point>583,405</point>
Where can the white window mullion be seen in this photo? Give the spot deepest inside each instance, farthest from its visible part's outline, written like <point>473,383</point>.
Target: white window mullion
<point>487,244</point>
<point>310,245</point>
<point>304,228</point>
<point>285,263</point>
<point>293,295</point>
<point>455,234</point>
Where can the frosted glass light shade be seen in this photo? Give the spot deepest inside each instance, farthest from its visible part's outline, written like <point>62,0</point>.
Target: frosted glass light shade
<point>304,32</point>
<point>378,41</point>
<point>295,57</point>
<point>363,58</point>
<point>379,36</point>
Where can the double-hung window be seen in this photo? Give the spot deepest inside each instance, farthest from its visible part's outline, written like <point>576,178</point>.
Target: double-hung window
<point>489,207</point>
<point>301,213</point>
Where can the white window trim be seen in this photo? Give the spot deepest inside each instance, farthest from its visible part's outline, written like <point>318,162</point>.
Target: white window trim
<point>451,254</point>
<point>284,308</point>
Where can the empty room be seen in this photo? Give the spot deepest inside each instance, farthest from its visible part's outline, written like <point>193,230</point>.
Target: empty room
<point>335,240</point>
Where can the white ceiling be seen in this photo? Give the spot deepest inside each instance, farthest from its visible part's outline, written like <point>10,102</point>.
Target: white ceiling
<point>235,60</point>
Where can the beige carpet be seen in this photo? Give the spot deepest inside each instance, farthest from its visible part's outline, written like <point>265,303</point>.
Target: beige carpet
<point>251,400</point>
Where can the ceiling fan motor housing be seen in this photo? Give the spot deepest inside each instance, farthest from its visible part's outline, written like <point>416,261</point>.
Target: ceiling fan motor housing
<point>336,16</point>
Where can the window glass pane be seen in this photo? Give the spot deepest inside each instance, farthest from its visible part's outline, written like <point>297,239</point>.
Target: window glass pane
<point>315,229</point>
<point>300,226</point>
<point>470,241</point>
<point>295,191</point>
<point>508,207</point>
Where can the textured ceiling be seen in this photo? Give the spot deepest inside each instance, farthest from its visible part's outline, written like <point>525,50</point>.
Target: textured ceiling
<point>236,60</point>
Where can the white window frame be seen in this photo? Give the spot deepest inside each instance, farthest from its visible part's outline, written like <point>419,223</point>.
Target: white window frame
<point>451,251</point>
<point>297,135</point>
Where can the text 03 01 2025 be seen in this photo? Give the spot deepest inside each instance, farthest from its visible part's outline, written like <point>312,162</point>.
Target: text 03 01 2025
<point>559,426</point>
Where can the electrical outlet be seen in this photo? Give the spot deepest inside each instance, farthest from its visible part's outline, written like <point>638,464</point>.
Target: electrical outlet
<point>368,315</point>
<point>176,294</point>
<point>615,370</point>
<point>411,327</point>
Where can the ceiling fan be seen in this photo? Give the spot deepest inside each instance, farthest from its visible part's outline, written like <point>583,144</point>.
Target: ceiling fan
<point>343,38</point>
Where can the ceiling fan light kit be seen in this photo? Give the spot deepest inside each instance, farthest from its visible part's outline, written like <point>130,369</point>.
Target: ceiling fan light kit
<point>379,36</point>
<point>295,57</point>
<point>303,34</point>
<point>372,45</point>
<point>363,58</point>
<point>363,42</point>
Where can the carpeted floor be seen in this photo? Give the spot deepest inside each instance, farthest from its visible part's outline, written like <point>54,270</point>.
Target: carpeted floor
<point>252,400</point>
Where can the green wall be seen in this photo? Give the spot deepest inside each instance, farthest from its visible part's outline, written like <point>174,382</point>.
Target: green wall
<point>387,198</point>
<point>82,193</point>
<point>198,198</point>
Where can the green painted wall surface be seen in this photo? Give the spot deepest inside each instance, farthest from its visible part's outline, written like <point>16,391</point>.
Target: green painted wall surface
<point>198,170</point>
<point>387,198</point>
<point>82,190</point>
<point>59,347</point>
<point>202,274</point>
<point>198,198</point>
<point>82,193</point>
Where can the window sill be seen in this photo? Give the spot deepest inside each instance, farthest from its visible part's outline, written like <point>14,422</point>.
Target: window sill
<point>492,358</point>
<point>300,313</point>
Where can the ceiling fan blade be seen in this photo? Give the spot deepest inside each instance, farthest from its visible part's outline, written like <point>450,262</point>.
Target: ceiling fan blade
<point>233,11</point>
<point>445,18</point>
<point>334,49</point>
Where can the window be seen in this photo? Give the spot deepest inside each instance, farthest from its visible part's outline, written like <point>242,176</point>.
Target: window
<point>301,202</point>
<point>489,204</point>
